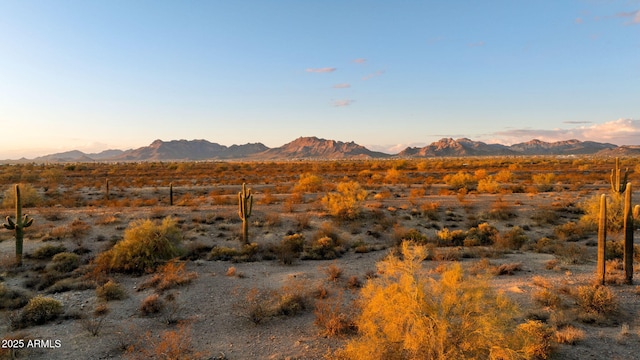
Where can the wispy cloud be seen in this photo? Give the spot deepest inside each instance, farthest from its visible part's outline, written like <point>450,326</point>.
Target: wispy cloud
<point>343,102</point>
<point>342,86</point>
<point>371,76</point>
<point>620,132</point>
<point>360,60</point>
<point>322,70</point>
<point>576,122</point>
<point>633,15</point>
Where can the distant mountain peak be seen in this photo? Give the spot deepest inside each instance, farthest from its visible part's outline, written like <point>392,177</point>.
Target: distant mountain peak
<point>312,147</point>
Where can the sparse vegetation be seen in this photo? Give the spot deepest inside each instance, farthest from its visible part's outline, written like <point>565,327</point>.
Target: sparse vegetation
<point>491,216</point>
<point>145,244</point>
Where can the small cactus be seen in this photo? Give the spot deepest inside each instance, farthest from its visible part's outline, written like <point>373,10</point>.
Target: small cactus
<point>602,239</point>
<point>245,205</point>
<point>21,222</point>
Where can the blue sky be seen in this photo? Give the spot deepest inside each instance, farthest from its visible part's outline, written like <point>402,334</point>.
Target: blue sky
<point>94,75</point>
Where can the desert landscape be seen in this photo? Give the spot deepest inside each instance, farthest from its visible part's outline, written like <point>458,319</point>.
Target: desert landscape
<point>343,258</point>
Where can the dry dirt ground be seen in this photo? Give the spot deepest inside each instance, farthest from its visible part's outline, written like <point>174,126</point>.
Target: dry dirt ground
<point>213,306</point>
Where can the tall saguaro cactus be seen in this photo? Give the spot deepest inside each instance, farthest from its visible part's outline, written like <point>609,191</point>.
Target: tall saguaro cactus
<point>617,184</point>
<point>602,239</point>
<point>170,194</point>
<point>245,204</point>
<point>18,225</point>
<point>628,235</point>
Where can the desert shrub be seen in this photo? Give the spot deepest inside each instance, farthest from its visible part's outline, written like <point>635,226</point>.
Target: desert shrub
<point>533,339</point>
<point>504,176</point>
<point>500,210</point>
<point>401,234</point>
<point>94,323</point>
<point>569,335</point>
<point>48,251</point>
<point>512,239</point>
<point>615,208</point>
<point>570,231</point>
<point>168,276</point>
<point>260,304</point>
<point>405,315</point>
<point>12,298</point>
<point>111,290</point>
<point>597,299</point>
<point>546,297</point>
<point>447,237</point>
<point>543,182</point>
<point>345,201</point>
<point>333,271</point>
<point>70,284</point>
<point>543,217</point>
<point>334,317</point>
<point>28,195</point>
<point>483,234</point>
<point>488,185</point>
<point>290,248</point>
<point>145,244</point>
<point>430,210</point>
<point>507,269</point>
<point>64,262</point>
<point>38,311</point>
<point>461,180</point>
<point>308,183</point>
<point>168,345</point>
<point>151,305</point>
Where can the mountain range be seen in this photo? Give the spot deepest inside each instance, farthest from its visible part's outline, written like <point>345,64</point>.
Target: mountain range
<point>316,148</point>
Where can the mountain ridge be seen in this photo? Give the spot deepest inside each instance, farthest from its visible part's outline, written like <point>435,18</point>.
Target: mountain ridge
<point>312,147</point>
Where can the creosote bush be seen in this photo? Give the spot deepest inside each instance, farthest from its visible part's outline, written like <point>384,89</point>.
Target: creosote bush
<point>146,244</point>
<point>406,315</point>
<point>11,298</point>
<point>64,262</point>
<point>345,201</point>
<point>111,290</point>
<point>38,311</point>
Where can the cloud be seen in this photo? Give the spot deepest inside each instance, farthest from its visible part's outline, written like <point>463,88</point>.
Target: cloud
<point>342,86</point>
<point>343,102</point>
<point>576,122</point>
<point>634,15</point>
<point>360,60</point>
<point>395,148</point>
<point>579,21</point>
<point>375,74</point>
<point>477,44</point>
<point>619,132</point>
<point>321,70</point>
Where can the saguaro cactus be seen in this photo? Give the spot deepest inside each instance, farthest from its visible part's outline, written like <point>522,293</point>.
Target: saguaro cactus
<point>18,226</point>
<point>170,194</point>
<point>617,184</point>
<point>602,239</point>
<point>628,235</point>
<point>245,204</point>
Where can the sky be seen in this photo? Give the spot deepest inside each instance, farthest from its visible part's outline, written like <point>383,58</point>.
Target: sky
<point>116,74</point>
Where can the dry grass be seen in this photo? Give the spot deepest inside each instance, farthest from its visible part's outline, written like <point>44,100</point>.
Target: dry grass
<point>170,275</point>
